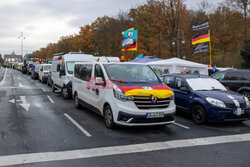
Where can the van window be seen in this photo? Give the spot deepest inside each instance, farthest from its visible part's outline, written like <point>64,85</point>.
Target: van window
<point>179,83</point>
<point>84,71</point>
<point>98,71</point>
<point>70,67</point>
<point>77,71</point>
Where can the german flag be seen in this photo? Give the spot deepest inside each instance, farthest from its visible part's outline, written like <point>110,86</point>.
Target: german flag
<point>133,47</point>
<point>60,58</point>
<point>202,38</point>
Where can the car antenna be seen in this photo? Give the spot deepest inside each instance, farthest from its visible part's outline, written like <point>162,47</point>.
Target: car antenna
<point>107,59</point>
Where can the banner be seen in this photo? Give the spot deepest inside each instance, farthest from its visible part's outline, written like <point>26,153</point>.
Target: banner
<point>127,41</point>
<point>201,26</point>
<point>202,38</point>
<point>202,48</point>
<point>130,33</point>
<point>131,48</point>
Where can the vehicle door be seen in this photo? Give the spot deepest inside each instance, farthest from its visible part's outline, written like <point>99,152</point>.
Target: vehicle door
<point>245,78</point>
<point>97,92</point>
<point>62,75</point>
<point>233,80</point>
<point>86,85</point>
<point>40,73</point>
<point>182,93</point>
<point>76,83</point>
<point>55,72</point>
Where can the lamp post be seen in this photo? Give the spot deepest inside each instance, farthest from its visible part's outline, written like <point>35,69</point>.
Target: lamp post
<point>178,40</point>
<point>21,37</point>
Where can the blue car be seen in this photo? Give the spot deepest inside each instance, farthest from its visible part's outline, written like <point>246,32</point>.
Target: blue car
<point>206,99</point>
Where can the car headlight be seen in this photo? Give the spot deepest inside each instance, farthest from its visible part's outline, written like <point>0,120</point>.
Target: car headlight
<point>215,102</point>
<point>118,93</point>
<point>247,101</point>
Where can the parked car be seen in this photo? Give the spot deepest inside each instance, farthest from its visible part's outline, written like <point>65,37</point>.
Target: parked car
<point>63,69</point>
<point>206,99</point>
<point>123,93</point>
<point>35,72</point>
<point>43,72</point>
<point>236,80</point>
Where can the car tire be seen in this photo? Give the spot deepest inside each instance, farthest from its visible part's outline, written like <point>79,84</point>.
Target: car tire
<point>108,117</point>
<point>246,94</point>
<point>199,114</point>
<point>65,93</point>
<point>76,101</point>
<point>53,87</point>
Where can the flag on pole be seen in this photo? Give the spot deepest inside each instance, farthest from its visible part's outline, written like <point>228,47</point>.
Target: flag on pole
<point>202,38</point>
<point>41,61</point>
<point>60,58</point>
<point>201,49</point>
<point>127,41</point>
<point>139,56</point>
<point>131,48</point>
<point>130,33</point>
<point>201,26</point>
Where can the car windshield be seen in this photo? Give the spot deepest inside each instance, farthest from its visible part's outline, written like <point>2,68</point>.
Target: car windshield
<point>47,68</point>
<point>205,84</point>
<point>70,67</point>
<point>131,73</point>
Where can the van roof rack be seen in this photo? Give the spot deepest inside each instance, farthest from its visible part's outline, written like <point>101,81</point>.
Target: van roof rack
<point>59,54</point>
<point>75,52</point>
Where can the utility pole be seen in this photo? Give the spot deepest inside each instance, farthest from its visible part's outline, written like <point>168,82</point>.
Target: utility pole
<point>21,37</point>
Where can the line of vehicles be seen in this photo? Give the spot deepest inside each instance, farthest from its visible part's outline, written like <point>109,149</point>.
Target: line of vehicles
<point>132,94</point>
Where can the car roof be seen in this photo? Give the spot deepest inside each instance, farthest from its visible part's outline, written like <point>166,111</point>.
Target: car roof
<point>238,70</point>
<point>187,75</point>
<point>104,63</point>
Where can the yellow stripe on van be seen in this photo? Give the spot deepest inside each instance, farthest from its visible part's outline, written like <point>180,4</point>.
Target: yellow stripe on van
<point>160,94</point>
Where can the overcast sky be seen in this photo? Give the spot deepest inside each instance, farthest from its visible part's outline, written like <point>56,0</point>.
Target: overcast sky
<point>45,21</point>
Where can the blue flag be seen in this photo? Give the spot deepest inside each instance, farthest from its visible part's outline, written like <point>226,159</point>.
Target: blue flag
<point>214,69</point>
<point>131,33</point>
<point>139,56</point>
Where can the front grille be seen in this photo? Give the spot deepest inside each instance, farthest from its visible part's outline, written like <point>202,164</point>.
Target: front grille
<point>232,105</point>
<point>146,102</point>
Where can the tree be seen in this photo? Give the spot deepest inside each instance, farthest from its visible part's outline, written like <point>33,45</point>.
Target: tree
<point>246,55</point>
<point>242,6</point>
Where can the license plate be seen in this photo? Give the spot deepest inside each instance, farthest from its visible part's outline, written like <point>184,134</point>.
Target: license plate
<point>155,115</point>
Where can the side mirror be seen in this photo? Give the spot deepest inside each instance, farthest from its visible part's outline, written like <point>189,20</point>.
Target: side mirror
<point>99,81</point>
<point>62,72</point>
<point>184,89</point>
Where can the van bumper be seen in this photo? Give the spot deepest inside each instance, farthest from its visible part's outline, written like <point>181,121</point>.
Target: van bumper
<point>130,115</point>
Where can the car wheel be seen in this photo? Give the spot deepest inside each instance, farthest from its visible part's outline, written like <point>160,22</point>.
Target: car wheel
<point>108,117</point>
<point>199,114</point>
<point>65,94</point>
<point>53,87</point>
<point>246,94</point>
<point>76,102</point>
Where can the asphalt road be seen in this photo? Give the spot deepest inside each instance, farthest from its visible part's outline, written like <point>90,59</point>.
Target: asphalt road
<point>40,128</point>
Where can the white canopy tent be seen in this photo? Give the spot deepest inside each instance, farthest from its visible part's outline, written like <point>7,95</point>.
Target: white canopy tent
<point>176,65</point>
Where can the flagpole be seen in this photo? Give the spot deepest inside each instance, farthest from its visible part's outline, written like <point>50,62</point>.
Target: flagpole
<point>210,47</point>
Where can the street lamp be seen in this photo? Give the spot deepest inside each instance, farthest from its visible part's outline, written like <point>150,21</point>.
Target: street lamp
<point>178,40</point>
<point>21,37</point>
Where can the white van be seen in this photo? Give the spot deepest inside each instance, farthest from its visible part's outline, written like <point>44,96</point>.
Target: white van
<point>63,68</point>
<point>44,72</point>
<point>124,93</point>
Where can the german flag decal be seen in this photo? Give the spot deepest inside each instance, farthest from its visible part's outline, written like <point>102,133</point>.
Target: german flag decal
<point>202,38</point>
<point>60,58</point>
